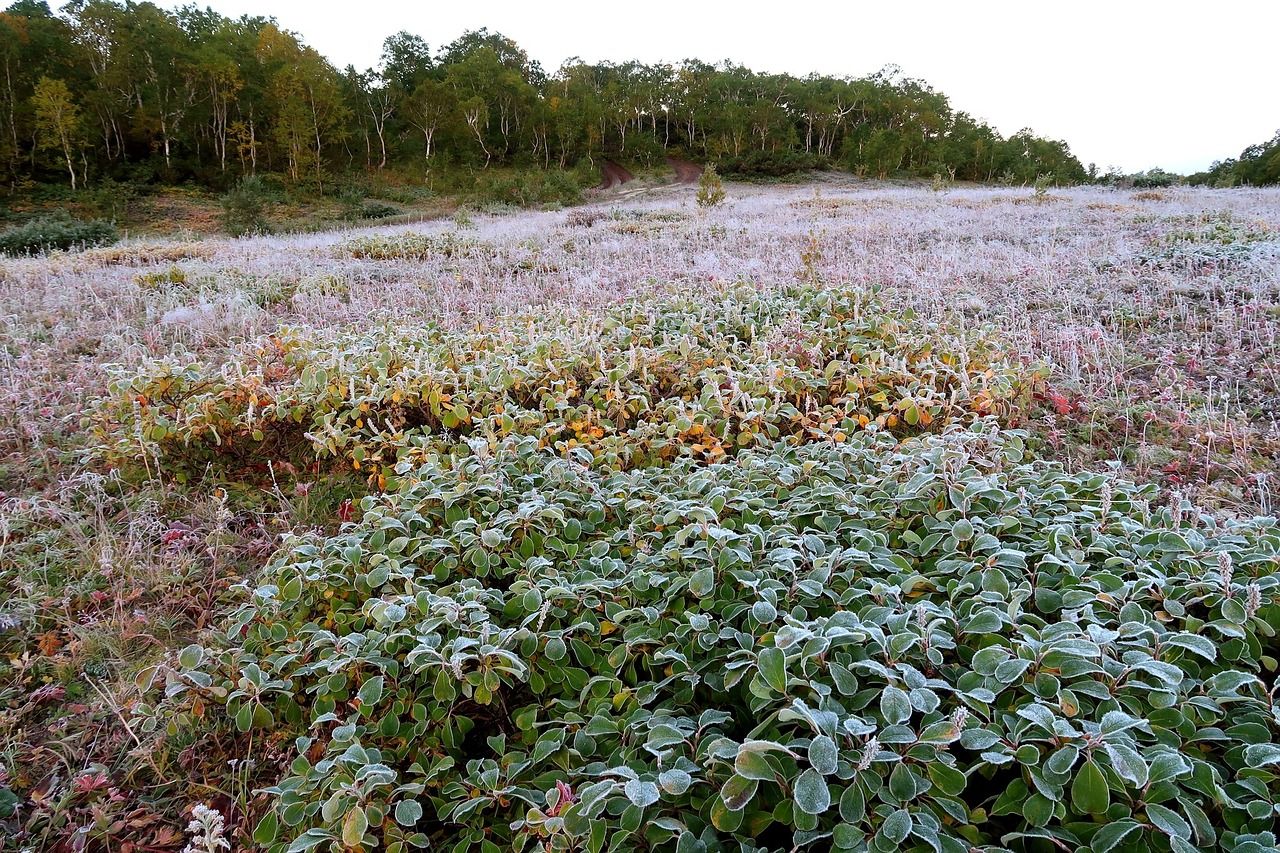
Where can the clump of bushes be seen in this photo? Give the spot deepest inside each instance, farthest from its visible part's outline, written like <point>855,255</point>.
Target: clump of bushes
<point>378,210</point>
<point>49,233</point>
<point>528,188</point>
<point>1155,179</point>
<point>770,164</point>
<point>355,206</point>
<point>869,645</point>
<point>244,207</point>
<point>145,254</point>
<point>647,383</point>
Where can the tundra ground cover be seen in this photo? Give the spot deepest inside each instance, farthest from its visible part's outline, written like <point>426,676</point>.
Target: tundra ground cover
<point>150,386</point>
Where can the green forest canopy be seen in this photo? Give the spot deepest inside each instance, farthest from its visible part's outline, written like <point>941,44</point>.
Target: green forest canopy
<point>1257,165</point>
<point>135,92</point>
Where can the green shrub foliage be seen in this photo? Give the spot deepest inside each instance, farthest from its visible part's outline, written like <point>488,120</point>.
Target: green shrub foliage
<point>244,207</point>
<point>710,188</point>
<point>926,644</point>
<point>50,233</point>
<point>528,188</point>
<point>777,163</point>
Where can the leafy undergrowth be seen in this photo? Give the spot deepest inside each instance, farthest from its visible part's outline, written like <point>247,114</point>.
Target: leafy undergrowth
<point>1209,240</point>
<point>645,383</point>
<point>254,376</point>
<point>411,246</point>
<point>929,644</point>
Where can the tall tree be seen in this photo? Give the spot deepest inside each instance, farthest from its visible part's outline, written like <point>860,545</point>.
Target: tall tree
<point>57,121</point>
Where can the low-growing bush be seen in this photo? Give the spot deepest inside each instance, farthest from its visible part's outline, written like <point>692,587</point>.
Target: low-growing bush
<point>931,645</point>
<point>49,233</point>
<point>143,254</point>
<point>1155,178</point>
<point>528,188</point>
<point>378,210</point>
<point>770,164</point>
<point>646,382</point>
<point>355,206</point>
<point>1208,240</point>
<point>409,246</point>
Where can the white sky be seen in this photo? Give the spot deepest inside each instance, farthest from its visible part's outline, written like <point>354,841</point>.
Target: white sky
<point>1131,83</point>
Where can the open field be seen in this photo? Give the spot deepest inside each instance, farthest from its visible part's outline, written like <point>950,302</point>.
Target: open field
<point>179,418</point>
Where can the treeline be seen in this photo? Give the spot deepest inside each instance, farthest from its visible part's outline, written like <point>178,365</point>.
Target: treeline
<point>1256,166</point>
<point>132,92</point>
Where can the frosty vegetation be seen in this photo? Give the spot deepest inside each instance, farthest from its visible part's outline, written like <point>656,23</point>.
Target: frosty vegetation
<point>839,516</point>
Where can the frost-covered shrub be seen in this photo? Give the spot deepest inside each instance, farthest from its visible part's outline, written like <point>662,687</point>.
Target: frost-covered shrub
<point>649,381</point>
<point>1208,240</point>
<point>409,246</point>
<point>868,645</point>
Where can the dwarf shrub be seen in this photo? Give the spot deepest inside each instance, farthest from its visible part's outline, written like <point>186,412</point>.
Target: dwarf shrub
<point>48,233</point>
<point>874,645</point>
<point>763,165</point>
<point>408,246</point>
<point>528,188</point>
<point>645,383</point>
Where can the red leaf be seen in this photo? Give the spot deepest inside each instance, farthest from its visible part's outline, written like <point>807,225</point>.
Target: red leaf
<point>346,510</point>
<point>1061,404</point>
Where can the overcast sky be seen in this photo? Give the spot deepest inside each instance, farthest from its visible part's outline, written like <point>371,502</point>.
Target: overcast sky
<point>1130,83</point>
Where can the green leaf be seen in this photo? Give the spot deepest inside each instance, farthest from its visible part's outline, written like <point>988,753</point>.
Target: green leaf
<point>753,764</point>
<point>641,793</point>
<point>1128,763</point>
<point>1111,834</point>
<point>310,839</point>
<point>773,668</point>
<point>725,818</point>
<point>895,705</point>
<point>702,582</point>
<point>1194,643</point>
<point>408,812</point>
<point>675,781</point>
<point>737,791</point>
<point>897,826</point>
<point>1089,791</point>
<point>191,657</point>
<point>811,794</point>
<point>1168,821</point>
<point>267,828</point>
<point>901,783</point>
<point>371,691</point>
<point>948,779</point>
<point>824,755</point>
<point>1262,754</point>
<point>1037,809</point>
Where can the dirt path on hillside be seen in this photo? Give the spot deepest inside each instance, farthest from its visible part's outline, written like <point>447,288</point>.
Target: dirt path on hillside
<point>686,172</point>
<point>613,175</point>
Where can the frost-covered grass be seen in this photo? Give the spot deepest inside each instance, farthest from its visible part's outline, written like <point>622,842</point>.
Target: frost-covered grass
<point>1156,314</point>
